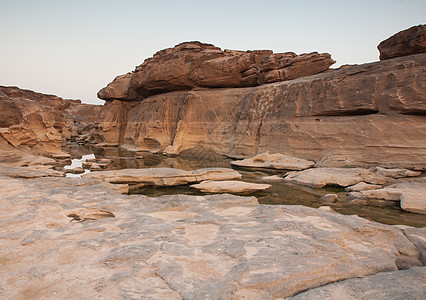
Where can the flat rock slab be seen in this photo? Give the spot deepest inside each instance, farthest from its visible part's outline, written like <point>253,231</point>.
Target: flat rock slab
<point>404,284</point>
<point>164,176</point>
<point>179,246</point>
<point>320,177</point>
<point>362,186</point>
<point>229,186</point>
<point>24,172</point>
<point>275,161</point>
<point>397,173</point>
<point>411,194</point>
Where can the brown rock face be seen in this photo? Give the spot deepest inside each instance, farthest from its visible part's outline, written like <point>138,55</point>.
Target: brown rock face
<point>38,121</point>
<point>371,113</point>
<point>406,42</point>
<point>119,88</point>
<point>192,65</point>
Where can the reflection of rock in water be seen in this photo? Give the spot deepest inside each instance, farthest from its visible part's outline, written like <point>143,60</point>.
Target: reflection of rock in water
<point>151,160</point>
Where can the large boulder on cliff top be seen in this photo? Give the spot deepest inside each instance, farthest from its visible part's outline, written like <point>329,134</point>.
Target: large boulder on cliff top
<point>192,65</point>
<point>119,88</point>
<point>406,42</point>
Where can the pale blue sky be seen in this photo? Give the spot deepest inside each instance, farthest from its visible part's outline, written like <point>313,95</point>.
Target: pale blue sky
<point>74,48</point>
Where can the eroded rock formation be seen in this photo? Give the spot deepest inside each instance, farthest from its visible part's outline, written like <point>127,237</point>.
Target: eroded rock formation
<point>406,42</point>
<point>192,65</point>
<point>41,122</point>
<point>242,103</point>
<point>371,113</point>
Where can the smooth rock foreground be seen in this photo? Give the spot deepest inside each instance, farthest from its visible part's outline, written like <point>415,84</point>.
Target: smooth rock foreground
<point>67,238</point>
<point>387,285</point>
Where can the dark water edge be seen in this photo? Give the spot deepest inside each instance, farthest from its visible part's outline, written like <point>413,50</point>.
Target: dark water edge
<point>278,193</point>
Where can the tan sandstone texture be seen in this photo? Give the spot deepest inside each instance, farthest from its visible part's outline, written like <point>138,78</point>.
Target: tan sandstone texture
<point>192,65</point>
<point>228,186</point>
<point>274,161</point>
<point>70,238</point>
<point>164,176</point>
<point>40,122</point>
<point>367,114</point>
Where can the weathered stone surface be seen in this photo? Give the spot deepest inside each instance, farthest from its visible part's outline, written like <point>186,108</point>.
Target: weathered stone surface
<point>234,69</point>
<point>76,170</point>
<point>351,113</point>
<point>119,88</point>
<point>331,198</point>
<point>387,193</point>
<point>273,178</point>
<point>362,186</point>
<point>288,66</point>
<point>412,195</point>
<point>405,284</point>
<point>406,42</point>
<point>320,177</point>
<point>26,172</point>
<point>163,176</point>
<point>414,202</point>
<point>274,161</point>
<point>14,157</point>
<point>114,119</point>
<point>35,121</point>
<point>397,173</point>
<point>192,65</point>
<point>418,237</point>
<point>170,69</point>
<point>237,187</point>
<point>174,247</point>
<point>89,214</point>
<point>326,208</point>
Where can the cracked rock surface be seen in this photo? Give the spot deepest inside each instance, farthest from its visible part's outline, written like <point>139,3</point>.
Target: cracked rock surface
<point>179,246</point>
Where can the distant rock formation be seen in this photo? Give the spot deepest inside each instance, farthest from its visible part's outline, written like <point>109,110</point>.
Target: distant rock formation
<point>362,114</point>
<point>41,122</point>
<point>192,65</point>
<point>407,42</point>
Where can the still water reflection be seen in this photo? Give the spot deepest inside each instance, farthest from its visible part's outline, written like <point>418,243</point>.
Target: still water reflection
<point>279,193</point>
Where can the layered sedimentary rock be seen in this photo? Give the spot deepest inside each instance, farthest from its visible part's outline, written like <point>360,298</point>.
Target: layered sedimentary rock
<point>41,122</point>
<point>406,42</point>
<point>164,176</point>
<point>370,113</point>
<point>193,65</point>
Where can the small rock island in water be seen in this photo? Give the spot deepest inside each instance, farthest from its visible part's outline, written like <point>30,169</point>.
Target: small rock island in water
<point>221,174</point>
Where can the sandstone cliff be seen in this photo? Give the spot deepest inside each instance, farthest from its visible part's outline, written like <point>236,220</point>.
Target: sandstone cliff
<point>41,122</point>
<point>362,114</point>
